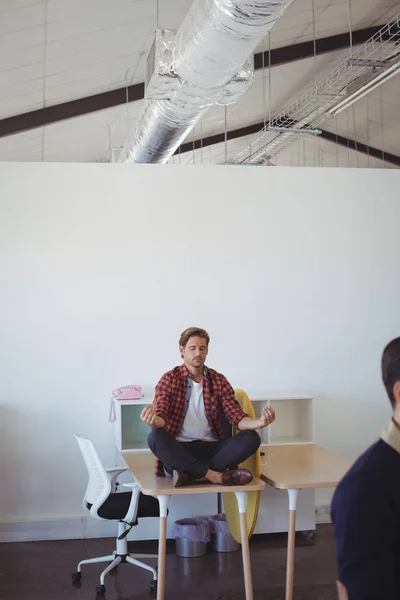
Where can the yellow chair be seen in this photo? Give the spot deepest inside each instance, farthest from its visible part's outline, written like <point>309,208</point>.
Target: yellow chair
<point>253,463</point>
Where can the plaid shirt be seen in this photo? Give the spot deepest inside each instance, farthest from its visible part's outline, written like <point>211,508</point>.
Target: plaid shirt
<point>171,402</point>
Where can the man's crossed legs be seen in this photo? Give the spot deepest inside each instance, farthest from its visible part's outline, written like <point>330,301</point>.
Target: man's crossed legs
<point>199,459</point>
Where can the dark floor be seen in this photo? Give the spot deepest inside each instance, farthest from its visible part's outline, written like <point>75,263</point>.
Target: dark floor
<point>41,571</point>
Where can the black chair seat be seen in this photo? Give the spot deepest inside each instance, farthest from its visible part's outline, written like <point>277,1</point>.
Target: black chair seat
<point>117,504</point>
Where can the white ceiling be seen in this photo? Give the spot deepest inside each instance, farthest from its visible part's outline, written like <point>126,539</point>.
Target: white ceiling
<point>55,51</point>
<point>331,18</point>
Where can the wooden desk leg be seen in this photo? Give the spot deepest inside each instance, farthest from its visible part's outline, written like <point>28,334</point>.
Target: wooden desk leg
<point>293,496</point>
<point>248,585</point>
<point>162,546</point>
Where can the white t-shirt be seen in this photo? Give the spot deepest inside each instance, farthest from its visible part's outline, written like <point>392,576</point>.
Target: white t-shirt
<point>195,426</point>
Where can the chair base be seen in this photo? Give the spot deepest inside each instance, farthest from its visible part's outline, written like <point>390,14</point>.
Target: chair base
<point>119,556</point>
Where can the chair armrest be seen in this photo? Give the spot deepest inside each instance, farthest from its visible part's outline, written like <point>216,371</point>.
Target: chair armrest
<point>115,472</point>
<point>115,469</point>
<point>130,516</point>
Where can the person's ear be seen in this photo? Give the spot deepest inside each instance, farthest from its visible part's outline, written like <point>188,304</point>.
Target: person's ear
<point>181,351</point>
<point>396,392</point>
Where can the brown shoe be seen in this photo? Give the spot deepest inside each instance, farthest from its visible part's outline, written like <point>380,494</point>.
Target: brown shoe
<point>181,478</point>
<point>236,477</point>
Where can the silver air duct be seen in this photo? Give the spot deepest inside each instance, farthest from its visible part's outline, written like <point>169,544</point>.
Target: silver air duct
<point>207,62</point>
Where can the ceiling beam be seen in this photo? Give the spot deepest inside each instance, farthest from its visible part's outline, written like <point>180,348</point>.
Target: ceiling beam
<point>68,110</point>
<point>83,106</point>
<point>393,159</point>
<point>327,135</point>
<point>219,138</point>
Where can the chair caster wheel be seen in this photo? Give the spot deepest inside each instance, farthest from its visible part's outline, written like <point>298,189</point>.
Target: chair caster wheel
<point>100,590</point>
<point>76,577</point>
<point>153,586</point>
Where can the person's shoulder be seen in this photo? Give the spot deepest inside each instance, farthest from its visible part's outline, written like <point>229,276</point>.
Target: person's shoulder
<point>171,375</point>
<point>371,463</point>
<point>369,475</point>
<point>216,375</point>
<point>376,458</point>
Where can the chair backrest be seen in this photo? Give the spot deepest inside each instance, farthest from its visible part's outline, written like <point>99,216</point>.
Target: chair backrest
<point>99,486</point>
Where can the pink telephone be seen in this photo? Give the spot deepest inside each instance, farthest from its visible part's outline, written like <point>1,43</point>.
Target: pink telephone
<point>126,392</point>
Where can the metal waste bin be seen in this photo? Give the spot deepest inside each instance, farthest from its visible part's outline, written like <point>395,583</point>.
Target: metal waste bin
<point>191,537</point>
<point>221,537</point>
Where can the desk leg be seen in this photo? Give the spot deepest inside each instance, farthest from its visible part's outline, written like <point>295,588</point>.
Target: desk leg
<point>293,496</point>
<point>162,546</point>
<point>248,585</point>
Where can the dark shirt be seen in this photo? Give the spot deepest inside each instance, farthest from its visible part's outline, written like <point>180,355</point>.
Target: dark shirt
<point>366,518</point>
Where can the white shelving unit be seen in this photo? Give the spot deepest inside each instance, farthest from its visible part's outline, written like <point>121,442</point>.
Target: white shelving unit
<point>294,423</point>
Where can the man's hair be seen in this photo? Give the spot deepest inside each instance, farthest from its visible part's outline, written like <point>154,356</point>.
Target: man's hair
<point>391,367</point>
<point>193,331</point>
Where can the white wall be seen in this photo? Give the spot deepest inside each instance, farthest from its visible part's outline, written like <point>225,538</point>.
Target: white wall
<point>295,273</point>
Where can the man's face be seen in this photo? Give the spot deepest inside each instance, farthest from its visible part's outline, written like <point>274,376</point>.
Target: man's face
<point>195,352</point>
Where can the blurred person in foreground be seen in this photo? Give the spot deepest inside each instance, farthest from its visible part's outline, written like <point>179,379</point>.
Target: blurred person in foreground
<point>366,507</point>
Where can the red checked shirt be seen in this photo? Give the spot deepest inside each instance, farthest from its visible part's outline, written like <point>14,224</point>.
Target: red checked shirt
<point>171,401</point>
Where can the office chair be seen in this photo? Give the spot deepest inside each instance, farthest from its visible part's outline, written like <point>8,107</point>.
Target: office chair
<point>102,501</point>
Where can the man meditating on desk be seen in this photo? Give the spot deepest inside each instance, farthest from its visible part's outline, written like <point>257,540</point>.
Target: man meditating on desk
<point>185,419</point>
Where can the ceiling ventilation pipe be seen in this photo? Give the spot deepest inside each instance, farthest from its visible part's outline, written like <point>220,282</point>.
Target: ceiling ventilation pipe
<point>208,61</point>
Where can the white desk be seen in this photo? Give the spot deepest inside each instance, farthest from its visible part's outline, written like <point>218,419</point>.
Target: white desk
<point>296,467</point>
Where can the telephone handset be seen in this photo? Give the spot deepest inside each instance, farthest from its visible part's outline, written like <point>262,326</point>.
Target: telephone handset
<point>126,392</point>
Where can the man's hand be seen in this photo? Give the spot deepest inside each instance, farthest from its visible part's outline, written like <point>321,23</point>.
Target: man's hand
<point>267,417</point>
<point>149,417</point>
